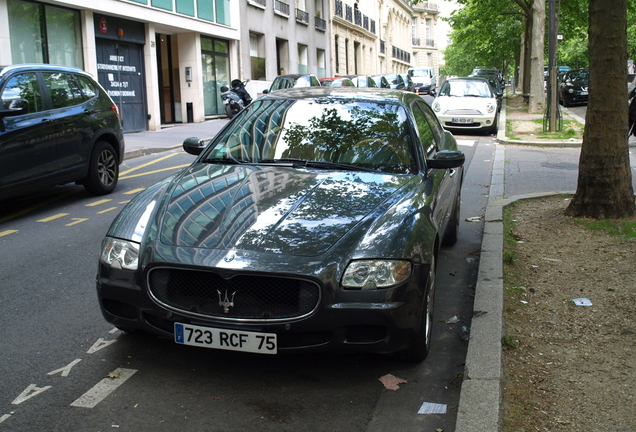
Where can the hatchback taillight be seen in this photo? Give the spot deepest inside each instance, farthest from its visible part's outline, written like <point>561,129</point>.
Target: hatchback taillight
<point>114,108</point>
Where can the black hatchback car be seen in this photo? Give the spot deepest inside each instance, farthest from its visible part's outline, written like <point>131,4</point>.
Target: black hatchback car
<point>573,87</point>
<point>312,221</point>
<point>57,125</point>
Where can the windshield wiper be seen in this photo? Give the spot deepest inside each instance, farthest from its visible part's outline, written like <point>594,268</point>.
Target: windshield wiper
<point>229,161</point>
<point>306,163</point>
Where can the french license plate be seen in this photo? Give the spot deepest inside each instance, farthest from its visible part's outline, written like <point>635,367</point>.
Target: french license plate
<point>462,120</point>
<point>583,92</point>
<point>233,340</point>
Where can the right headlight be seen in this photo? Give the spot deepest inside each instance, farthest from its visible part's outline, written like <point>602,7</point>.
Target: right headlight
<point>120,254</point>
<point>374,274</point>
<point>490,107</point>
<point>437,107</point>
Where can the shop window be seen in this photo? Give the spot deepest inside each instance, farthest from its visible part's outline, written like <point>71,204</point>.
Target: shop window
<point>257,58</point>
<point>44,34</point>
<point>302,59</point>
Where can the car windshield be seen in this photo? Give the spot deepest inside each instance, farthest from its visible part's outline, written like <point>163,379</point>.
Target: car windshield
<point>318,132</point>
<point>461,88</point>
<point>578,76</point>
<point>419,72</point>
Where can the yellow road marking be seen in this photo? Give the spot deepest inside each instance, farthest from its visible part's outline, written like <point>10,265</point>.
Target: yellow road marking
<point>96,203</point>
<point>134,191</point>
<point>153,172</point>
<point>107,210</point>
<point>7,232</point>
<point>77,220</point>
<point>124,202</point>
<point>41,204</point>
<point>57,216</point>
<point>147,164</point>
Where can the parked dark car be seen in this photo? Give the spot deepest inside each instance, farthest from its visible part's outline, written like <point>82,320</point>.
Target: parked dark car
<point>364,81</point>
<point>312,221</point>
<point>381,81</point>
<point>336,82</point>
<point>57,125</point>
<point>573,87</point>
<point>409,85</point>
<point>395,81</point>
<point>293,81</point>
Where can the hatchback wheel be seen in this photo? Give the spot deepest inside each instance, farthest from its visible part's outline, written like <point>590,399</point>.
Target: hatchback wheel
<point>103,170</point>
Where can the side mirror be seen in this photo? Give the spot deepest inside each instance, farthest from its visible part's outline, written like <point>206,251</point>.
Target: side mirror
<point>193,145</point>
<point>433,93</point>
<point>446,159</point>
<point>15,107</point>
<point>265,91</point>
<point>224,89</point>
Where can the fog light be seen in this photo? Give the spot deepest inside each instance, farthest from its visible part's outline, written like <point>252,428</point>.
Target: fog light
<point>487,122</point>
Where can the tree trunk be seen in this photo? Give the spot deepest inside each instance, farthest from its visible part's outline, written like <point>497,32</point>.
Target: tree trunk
<point>537,92</point>
<point>527,55</point>
<point>604,188</point>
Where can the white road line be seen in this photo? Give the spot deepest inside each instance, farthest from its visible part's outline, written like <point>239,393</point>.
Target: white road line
<point>104,388</point>
<point>468,143</point>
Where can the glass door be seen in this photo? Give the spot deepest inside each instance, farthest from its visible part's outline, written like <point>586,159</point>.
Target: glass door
<point>216,73</point>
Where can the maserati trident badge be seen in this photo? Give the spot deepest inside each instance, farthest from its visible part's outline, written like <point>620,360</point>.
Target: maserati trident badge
<point>226,302</point>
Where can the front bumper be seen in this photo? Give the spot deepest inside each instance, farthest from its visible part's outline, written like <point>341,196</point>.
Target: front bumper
<point>380,321</point>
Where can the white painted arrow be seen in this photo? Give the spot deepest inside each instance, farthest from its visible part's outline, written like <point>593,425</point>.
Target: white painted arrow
<point>66,369</point>
<point>28,393</point>
<point>99,344</point>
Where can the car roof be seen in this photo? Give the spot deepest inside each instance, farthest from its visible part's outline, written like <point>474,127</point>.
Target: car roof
<point>369,94</point>
<point>25,67</point>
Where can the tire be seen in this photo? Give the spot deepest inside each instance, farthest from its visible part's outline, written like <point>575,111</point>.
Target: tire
<point>103,170</point>
<point>422,347</point>
<point>231,110</point>
<point>450,236</point>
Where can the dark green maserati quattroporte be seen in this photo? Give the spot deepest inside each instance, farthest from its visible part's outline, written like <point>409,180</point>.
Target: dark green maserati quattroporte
<point>312,221</point>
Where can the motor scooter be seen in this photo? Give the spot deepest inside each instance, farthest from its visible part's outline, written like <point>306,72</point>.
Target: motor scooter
<point>236,98</point>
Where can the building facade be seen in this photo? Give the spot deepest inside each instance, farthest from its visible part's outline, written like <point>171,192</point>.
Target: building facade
<point>162,61</point>
<point>279,38</point>
<point>382,36</point>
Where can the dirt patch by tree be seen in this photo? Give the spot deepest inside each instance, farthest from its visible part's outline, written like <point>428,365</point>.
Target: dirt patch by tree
<point>568,367</point>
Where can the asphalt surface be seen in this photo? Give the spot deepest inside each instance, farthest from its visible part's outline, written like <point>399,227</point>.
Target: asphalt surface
<point>520,170</point>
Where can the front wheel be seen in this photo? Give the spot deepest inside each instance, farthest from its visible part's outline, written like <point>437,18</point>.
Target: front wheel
<point>103,170</point>
<point>450,236</point>
<point>422,347</point>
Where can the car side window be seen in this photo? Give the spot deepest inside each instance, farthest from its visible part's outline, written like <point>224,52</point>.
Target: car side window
<point>433,122</point>
<point>87,86</point>
<point>63,90</point>
<point>23,86</point>
<point>427,135</point>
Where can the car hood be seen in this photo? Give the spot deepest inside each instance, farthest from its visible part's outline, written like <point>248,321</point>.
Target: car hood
<point>274,209</point>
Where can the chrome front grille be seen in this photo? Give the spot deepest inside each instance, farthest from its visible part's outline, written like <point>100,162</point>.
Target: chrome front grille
<point>463,112</point>
<point>239,297</point>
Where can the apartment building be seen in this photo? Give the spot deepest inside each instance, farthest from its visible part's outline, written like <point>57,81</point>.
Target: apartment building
<point>280,38</point>
<point>382,36</point>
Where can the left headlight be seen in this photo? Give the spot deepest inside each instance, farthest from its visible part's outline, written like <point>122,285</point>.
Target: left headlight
<point>374,274</point>
<point>437,107</point>
<point>490,107</point>
<point>120,253</point>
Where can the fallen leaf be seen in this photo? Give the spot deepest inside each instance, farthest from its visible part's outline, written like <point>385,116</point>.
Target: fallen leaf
<point>113,375</point>
<point>391,382</point>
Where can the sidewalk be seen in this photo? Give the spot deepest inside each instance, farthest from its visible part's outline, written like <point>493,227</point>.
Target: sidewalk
<point>171,137</point>
<point>521,169</point>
